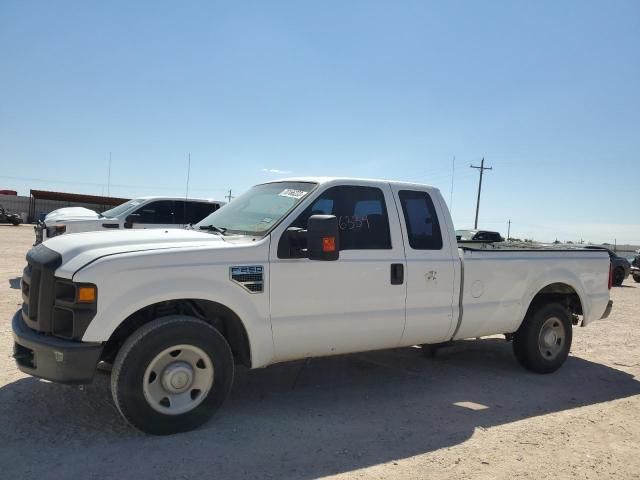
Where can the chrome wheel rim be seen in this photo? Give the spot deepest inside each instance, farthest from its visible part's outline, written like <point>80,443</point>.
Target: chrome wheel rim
<point>178,379</point>
<point>552,338</point>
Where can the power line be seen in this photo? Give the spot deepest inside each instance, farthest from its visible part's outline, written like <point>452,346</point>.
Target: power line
<point>482,168</point>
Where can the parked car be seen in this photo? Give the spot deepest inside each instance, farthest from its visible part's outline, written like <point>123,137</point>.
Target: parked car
<point>635,267</point>
<point>142,212</point>
<point>289,270</point>
<point>620,266</point>
<point>6,217</point>
<point>479,236</point>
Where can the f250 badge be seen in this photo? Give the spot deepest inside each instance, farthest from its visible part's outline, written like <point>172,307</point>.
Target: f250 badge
<point>250,277</point>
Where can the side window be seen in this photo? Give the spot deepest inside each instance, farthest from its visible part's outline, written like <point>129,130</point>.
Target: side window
<point>362,216</point>
<point>196,211</point>
<point>421,219</point>
<point>158,212</point>
<point>179,211</point>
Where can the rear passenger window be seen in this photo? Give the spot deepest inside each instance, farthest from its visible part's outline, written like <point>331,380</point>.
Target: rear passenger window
<point>362,216</point>
<point>421,220</point>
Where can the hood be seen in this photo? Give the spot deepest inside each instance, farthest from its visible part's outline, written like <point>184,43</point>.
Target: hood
<point>79,249</point>
<point>70,213</point>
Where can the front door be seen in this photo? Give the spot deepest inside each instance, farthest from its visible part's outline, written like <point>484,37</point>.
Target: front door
<point>352,304</point>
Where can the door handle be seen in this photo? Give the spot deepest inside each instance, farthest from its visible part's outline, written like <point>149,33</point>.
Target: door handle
<point>397,273</point>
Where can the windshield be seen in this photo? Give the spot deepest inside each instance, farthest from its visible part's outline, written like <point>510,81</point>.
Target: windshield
<point>257,211</point>
<point>123,208</point>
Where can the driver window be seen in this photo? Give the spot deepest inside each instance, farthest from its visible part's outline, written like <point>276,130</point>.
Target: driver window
<point>158,212</point>
<point>361,213</point>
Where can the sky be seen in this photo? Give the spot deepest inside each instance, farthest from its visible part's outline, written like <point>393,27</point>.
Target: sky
<point>548,92</point>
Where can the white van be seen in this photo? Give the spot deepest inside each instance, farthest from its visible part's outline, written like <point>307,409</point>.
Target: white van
<point>142,212</point>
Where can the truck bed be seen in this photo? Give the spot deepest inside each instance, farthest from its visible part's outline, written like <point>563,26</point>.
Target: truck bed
<point>499,282</point>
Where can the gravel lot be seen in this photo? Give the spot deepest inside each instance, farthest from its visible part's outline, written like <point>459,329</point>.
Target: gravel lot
<point>472,412</point>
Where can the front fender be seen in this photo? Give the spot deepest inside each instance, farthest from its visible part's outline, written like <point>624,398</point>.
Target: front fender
<point>132,289</point>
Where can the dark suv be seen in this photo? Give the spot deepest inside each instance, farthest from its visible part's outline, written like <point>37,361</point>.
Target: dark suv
<point>478,236</point>
<point>635,267</point>
<point>620,266</point>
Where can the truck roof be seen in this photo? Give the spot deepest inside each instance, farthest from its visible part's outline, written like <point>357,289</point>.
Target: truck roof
<point>323,180</point>
<point>191,199</point>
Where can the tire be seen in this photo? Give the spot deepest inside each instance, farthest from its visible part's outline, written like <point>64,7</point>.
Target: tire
<point>543,341</point>
<point>145,368</point>
<point>636,278</point>
<point>618,276</point>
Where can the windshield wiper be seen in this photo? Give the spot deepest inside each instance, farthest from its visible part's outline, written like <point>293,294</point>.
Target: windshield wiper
<point>213,228</point>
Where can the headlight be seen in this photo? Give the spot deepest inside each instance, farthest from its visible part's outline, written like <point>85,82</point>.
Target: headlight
<point>55,230</point>
<point>74,307</point>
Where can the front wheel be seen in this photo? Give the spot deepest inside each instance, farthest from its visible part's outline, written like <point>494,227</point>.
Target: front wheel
<point>636,278</point>
<point>543,341</point>
<point>172,375</point>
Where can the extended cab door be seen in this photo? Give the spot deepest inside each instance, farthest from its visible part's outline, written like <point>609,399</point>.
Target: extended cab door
<point>431,266</point>
<point>355,303</point>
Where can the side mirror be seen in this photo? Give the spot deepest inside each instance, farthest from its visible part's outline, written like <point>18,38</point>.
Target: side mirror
<point>323,237</point>
<point>131,219</point>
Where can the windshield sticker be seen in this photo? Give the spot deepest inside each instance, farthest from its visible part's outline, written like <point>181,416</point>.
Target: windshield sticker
<point>291,193</point>
<point>267,220</point>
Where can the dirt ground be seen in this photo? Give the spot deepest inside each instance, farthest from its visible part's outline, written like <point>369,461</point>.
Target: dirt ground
<point>472,412</point>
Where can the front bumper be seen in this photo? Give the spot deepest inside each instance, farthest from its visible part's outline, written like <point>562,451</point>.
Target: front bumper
<point>607,310</point>
<point>52,358</point>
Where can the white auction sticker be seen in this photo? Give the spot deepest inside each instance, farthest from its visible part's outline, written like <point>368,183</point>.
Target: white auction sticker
<point>291,193</point>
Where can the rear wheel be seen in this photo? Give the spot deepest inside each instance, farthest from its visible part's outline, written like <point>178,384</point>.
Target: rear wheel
<point>636,278</point>
<point>172,375</point>
<point>618,276</point>
<point>543,341</point>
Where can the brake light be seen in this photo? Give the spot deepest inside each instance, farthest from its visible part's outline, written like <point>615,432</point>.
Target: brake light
<point>610,276</point>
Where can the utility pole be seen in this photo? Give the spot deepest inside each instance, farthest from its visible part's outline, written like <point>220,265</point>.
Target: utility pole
<point>509,229</point>
<point>453,171</point>
<point>229,196</point>
<point>109,175</point>
<point>186,193</point>
<point>482,168</point>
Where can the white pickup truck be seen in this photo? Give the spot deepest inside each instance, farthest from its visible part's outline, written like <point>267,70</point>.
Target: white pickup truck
<point>291,269</point>
<point>142,212</point>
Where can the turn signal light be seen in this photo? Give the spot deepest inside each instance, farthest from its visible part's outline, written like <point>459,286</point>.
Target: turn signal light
<point>328,244</point>
<point>86,294</point>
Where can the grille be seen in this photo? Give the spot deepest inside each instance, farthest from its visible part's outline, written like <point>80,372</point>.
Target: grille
<point>254,287</point>
<point>248,277</point>
<point>38,287</point>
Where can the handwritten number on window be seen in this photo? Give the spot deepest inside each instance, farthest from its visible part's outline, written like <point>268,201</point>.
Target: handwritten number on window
<point>353,222</point>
